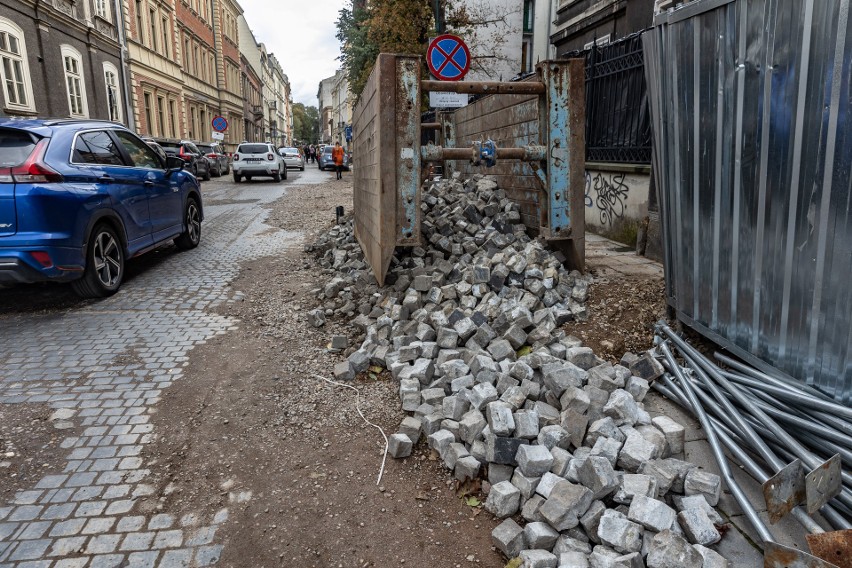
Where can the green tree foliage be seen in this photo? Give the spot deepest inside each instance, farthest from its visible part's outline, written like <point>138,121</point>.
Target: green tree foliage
<point>305,123</point>
<point>385,26</point>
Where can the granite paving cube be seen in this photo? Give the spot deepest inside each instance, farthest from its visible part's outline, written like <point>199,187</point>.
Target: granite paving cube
<point>698,502</point>
<point>467,467</point>
<point>622,535</point>
<point>410,426</point>
<point>633,484</point>
<point>499,472</point>
<point>698,481</point>
<point>526,485</point>
<point>547,483</point>
<point>698,527</point>
<point>646,367</point>
<point>455,407</point>
<point>482,394</point>
<point>440,441</point>
<point>573,559</point>
<point>568,543</point>
<point>503,500</point>
<point>591,520</point>
<point>621,408</point>
<point>538,559</point>
<point>554,436</point>
<point>596,473</point>
<point>530,509</point>
<point>399,445</point>
<point>669,550</point>
<point>566,504</point>
<point>500,419</point>
<point>471,426</point>
<point>635,452</point>
<point>344,371</point>
<point>508,538</point>
<point>540,535</point>
<point>502,450</point>
<point>638,388</point>
<point>652,514</point>
<point>534,461</point>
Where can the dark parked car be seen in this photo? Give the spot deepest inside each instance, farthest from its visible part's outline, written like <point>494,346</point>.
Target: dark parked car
<point>79,197</point>
<point>195,160</point>
<point>221,164</point>
<point>324,161</point>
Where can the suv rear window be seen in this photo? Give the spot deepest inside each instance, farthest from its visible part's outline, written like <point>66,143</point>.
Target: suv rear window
<point>253,149</point>
<point>206,149</point>
<point>15,147</point>
<point>170,146</point>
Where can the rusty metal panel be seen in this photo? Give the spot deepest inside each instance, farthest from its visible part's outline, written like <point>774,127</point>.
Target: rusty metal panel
<point>407,151</point>
<point>372,146</point>
<point>385,128</point>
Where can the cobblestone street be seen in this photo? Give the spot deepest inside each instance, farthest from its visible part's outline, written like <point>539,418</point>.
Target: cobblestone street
<point>102,367</point>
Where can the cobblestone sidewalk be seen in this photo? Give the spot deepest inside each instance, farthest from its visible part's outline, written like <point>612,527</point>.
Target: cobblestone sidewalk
<point>106,365</point>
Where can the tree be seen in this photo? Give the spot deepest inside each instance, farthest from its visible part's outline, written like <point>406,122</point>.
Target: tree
<point>492,29</point>
<point>305,122</point>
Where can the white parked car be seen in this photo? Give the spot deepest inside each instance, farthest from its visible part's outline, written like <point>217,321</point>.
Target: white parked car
<point>257,159</point>
<point>293,158</point>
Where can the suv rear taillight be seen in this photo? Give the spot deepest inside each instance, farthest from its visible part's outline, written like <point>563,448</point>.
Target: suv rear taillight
<point>270,157</point>
<point>34,170</point>
<point>6,176</point>
<point>236,157</point>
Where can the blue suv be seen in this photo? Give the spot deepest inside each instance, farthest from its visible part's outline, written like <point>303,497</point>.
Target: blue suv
<point>78,198</point>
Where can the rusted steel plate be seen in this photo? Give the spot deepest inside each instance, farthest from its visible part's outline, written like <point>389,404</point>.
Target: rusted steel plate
<point>823,483</point>
<point>386,127</point>
<point>779,556</point>
<point>835,547</point>
<point>784,491</point>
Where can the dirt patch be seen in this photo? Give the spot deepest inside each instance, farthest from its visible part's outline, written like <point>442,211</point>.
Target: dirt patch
<point>251,428</point>
<point>29,447</point>
<point>623,312</point>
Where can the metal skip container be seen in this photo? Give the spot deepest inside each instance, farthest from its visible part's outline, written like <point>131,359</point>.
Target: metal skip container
<point>750,103</point>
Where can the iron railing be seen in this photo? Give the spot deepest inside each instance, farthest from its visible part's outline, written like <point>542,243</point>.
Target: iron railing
<point>618,122</point>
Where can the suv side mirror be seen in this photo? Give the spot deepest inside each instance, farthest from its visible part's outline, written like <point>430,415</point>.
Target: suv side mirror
<point>174,164</point>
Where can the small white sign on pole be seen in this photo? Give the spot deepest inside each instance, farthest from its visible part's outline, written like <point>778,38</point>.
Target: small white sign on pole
<point>442,99</point>
<point>218,135</point>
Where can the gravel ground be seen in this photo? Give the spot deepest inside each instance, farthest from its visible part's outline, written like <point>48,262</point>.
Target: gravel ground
<point>252,429</point>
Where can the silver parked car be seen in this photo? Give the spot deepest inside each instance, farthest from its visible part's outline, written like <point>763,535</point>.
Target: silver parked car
<point>257,159</point>
<point>293,158</point>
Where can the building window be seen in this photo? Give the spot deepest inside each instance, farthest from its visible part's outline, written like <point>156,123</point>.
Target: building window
<point>152,20</point>
<point>192,122</point>
<point>166,37</point>
<point>186,53</point>
<point>111,80</point>
<point>149,120</point>
<point>195,59</point>
<point>140,23</point>
<point>529,15</point>
<point>75,86</point>
<point>172,115</point>
<point>161,118</point>
<point>102,9</point>
<point>15,71</point>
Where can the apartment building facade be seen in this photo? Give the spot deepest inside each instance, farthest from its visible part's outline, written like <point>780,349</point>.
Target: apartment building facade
<point>62,59</point>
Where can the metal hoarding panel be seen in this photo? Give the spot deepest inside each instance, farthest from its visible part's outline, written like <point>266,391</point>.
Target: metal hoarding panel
<point>750,105</point>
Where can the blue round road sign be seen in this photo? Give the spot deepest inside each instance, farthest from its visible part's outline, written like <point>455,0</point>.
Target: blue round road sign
<point>448,58</point>
<point>220,124</point>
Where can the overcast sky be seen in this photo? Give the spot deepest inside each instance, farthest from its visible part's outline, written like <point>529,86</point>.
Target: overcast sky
<point>301,35</point>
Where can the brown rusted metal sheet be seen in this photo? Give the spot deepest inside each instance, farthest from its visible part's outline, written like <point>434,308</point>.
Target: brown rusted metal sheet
<point>779,556</point>
<point>385,122</point>
<point>835,547</point>
<point>784,491</point>
<point>486,87</point>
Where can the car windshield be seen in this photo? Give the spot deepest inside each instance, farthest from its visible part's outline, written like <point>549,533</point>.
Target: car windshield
<point>290,150</point>
<point>15,147</point>
<point>327,150</point>
<point>192,147</point>
<point>253,149</point>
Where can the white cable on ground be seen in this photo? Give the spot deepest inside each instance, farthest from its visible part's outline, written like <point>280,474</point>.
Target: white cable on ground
<point>358,408</point>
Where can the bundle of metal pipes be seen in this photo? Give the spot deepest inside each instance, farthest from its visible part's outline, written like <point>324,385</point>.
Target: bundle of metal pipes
<point>790,437</point>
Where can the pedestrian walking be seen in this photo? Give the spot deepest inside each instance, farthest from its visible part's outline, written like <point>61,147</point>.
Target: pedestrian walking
<point>337,158</point>
<point>307,150</point>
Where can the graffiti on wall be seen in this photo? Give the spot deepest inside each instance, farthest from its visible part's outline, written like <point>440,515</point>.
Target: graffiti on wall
<point>608,193</point>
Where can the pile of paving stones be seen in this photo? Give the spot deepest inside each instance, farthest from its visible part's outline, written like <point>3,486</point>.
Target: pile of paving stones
<point>477,257</point>
<point>470,330</point>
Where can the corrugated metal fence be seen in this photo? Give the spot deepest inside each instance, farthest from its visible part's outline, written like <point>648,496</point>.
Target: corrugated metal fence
<point>750,103</point>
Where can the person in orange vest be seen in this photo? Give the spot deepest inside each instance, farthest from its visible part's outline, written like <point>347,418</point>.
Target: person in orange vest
<point>337,158</point>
